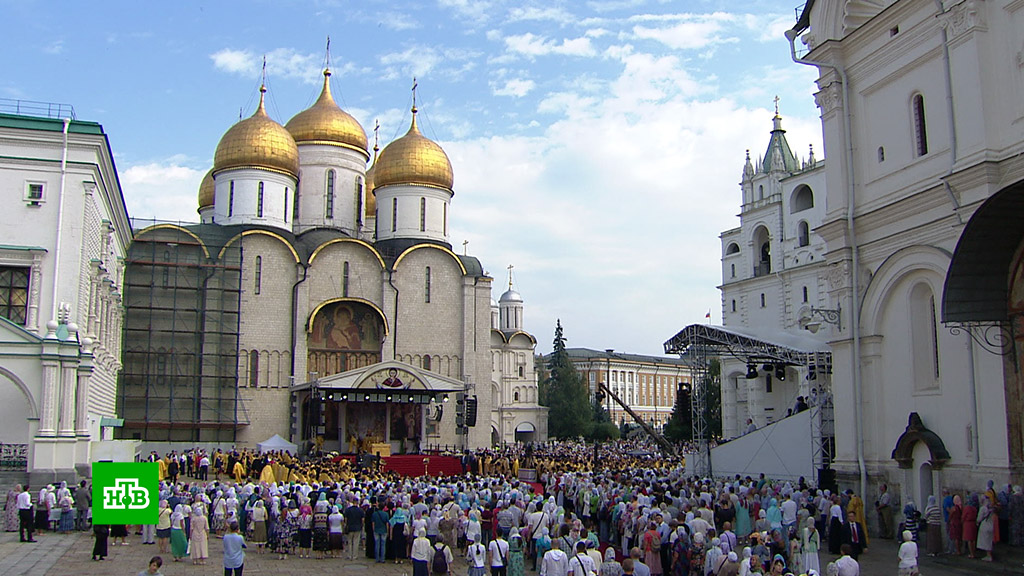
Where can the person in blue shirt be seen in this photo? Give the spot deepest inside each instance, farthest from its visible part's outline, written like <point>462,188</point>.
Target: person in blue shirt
<point>234,551</point>
<point>380,522</point>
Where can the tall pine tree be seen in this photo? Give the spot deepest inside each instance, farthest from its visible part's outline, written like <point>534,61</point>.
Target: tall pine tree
<point>564,393</point>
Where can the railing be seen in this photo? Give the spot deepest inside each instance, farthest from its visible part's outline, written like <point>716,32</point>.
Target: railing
<point>762,269</point>
<point>33,108</point>
<point>14,457</point>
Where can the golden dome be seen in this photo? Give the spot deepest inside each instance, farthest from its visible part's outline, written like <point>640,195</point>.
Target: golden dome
<point>413,159</point>
<point>325,123</point>
<point>371,198</point>
<point>206,190</point>
<point>257,142</point>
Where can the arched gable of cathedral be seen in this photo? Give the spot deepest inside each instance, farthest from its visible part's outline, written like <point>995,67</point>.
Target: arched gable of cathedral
<point>180,235</point>
<point>267,233</point>
<point>344,243</point>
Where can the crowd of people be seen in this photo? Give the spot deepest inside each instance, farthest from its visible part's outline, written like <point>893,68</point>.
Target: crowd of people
<point>634,512</point>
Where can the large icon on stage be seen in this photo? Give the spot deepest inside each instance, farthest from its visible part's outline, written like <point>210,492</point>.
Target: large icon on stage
<point>392,379</point>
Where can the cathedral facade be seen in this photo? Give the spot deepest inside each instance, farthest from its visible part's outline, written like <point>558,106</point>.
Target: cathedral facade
<point>319,299</point>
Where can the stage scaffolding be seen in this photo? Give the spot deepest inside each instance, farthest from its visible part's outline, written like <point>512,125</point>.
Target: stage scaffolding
<point>702,342</point>
<point>182,291</point>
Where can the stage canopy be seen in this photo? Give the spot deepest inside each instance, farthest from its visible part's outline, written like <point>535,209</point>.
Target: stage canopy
<point>751,345</point>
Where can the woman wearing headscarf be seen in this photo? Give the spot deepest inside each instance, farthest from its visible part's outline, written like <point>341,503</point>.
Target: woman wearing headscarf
<point>970,520</point>
<point>761,525</point>
<point>66,505</point>
<point>907,555</point>
<point>11,520</point>
<point>287,529</point>
<point>810,543</point>
<point>652,549</point>
<point>743,523</point>
<point>99,549</point>
<point>730,565</point>
<point>680,553</point>
<point>778,565</point>
<point>745,562</point>
<point>199,535</point>
<point>396,533</point>
<point>259,526</point>
<point>422,553</point>
<point>321,513</point>
<point>305,528</point>
<point>179,544</point>
<point>933,521</point>
<point>610,566</point>
<point>543,544</point>
<point>912,519</point>
<point>774,517</point>
<point>835,526</point>
<point>955,524</point>
<point>986,527</point>
<point>516,559</point>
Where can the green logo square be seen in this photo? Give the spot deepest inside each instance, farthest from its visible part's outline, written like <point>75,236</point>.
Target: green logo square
<point>125,492</point>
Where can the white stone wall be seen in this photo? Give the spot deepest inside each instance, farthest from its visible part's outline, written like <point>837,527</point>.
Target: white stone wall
<point>349,168</point>
<point>278,194</point>
<point>403,220</point>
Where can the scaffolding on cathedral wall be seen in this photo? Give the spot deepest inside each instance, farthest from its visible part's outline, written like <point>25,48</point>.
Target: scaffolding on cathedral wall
<point>182,309</point>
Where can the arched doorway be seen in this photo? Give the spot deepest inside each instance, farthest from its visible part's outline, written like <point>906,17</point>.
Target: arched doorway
<point>526,432</point>
<point>495,437</point>
<point>343,335</point>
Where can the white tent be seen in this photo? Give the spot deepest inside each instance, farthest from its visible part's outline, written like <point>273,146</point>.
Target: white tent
<point>275,442</point>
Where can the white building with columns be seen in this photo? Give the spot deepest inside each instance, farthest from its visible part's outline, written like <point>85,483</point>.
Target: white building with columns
<point>63,238</point>
<point>924,124</point>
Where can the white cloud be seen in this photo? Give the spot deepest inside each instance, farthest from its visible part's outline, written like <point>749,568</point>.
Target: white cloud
<point>55,47</point>
<point>285,63</point>
<point>691,33</point>
<point>533,13</point>
<point>162,190</point>
<point>420,61</point>
<point>469,11</point>
<point>532,45</point>
<point>516,87</point>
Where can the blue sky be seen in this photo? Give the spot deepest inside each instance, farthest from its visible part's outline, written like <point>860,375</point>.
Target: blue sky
<point>597,145</point>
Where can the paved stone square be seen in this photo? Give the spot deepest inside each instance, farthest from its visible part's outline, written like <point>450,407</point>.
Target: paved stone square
<point>66,555</point>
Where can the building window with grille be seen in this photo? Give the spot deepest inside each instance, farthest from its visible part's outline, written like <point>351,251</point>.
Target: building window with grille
<point>231,198</point>
<point>426,286</point>
<point>259,201</point>
<point>762,300</point>
<point>920,130</point>
<point>14,293</point>
<point>423,214</point>
<point>426,362</point>
<point>344,280</point>
<point>295,205</point>
<point>285,204</point>
<point>258,275</point>
<point>394,214</point>
<point>34,193</point>
<point>329,213</point>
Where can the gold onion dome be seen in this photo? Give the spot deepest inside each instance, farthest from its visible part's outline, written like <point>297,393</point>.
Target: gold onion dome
<point>413,159</point>
<point>325,123</point>
<point>206,190</point>
<point>258,142</point>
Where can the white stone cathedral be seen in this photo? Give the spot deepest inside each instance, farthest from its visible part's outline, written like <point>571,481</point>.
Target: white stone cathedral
<point>320,299</point>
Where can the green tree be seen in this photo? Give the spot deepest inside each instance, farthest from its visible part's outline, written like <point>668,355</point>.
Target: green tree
<point>563,391</point>
<point>680,425</point>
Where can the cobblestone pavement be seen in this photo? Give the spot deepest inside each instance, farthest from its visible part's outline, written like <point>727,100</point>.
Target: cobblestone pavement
<point>66,555</point>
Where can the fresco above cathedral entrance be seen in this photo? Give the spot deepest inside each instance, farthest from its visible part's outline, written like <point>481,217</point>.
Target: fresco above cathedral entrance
<point>344,336</point>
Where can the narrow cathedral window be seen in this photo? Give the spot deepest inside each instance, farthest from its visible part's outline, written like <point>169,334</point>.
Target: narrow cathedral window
<point>805,294</point>
<point>445,217</point>
<point>344,280</point>
<point>920,131</point>
<point>330,194</point>
<point>732,270</point>
<point>394,214</point>
<point>762,299</point>
<point>522,372</point>
<point>426,291</point>
<point>295,205</point>
<point>426,362</point>
<point>359,200</point>
<point>423,214</point>
<point>516,396</point>
<point>258,276</point>
<point>231,199</point>
<point>803,234</point>
<point>733,305</point>
<point>254,368</point>
<point>259,202</point>
<point>285,204</point>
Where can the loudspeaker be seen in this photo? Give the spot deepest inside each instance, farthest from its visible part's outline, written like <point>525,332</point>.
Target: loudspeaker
<point>471,411</point>
<point>827,480</point>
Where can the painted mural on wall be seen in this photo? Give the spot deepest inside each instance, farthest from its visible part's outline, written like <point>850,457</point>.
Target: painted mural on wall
<point>362,424</point>
<point>344,336</point>
<point>346,326</point>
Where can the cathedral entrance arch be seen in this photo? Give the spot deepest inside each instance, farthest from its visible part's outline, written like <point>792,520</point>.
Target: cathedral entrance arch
<point>526,432</point>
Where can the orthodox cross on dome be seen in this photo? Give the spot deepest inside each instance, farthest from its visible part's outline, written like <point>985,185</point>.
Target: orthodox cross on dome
<point>376,138</point>
<point>327,56</point>
<point>414,86</point>
<point>776,105</point>
<point>510,267</point>
<point>263,78</point>
<point>465,247</point>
